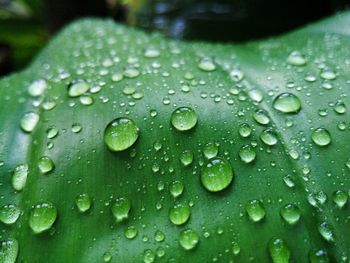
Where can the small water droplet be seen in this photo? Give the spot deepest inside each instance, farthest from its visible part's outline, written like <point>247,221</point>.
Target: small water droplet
<point>45,164</point>
<point>151,52</point>
<point>247,154</point>
<point>207,64</point>
<point>217,174</point>
<point>9,214</point>
<point>279,252</point>
<point>19,177</point>
<point>149,256</point>
<point>210,150</point>
<point>186,157</point>
<point>159,236</point>
<point>340,198</point>
<point>340,107</point>
<point>318,256</point>
<point>120,134</point>
<point>179,213</point>
<point>83,202</point>
<point>245,130</point>
<point>51,132</point>
<point>268,137</point>
<point>78,88</point>
<point>295,58</point>
<point>290,213</point>
<point>260,116</point>
<point>76,127</point>
<point>8,250</point>
<point>176,188</point>
<point>29,121</point>
<point>37,88</point>
<point>131,232</point>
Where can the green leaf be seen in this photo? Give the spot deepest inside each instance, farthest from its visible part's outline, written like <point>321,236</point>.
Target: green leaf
<point>275,186</point>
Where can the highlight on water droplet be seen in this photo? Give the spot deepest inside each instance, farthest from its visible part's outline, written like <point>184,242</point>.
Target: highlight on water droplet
<point>42,216</point>
<point>184,118</point>
<point>188,239</point>
<point>217,174</point>
<point>121,134</point>
<point>287,103</point>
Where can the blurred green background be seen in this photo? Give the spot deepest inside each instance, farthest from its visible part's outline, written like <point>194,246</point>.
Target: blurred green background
<point>26,25</point>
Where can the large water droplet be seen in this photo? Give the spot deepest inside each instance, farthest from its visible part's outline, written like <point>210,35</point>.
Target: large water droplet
<point>83,202</point>
<point>188,239</point>
<point>19,177</point>
<point>217,174</point>
<point>78,88</point>
<point>179,213</point>
<point>8,250</point>
<point>184,118</point>
<point>290,213</point>
<point>121,209</point>
<point>255,210</point>
<point>42,216</point>
<point>247,154</point>
<point>29,121</point>
<point>287,103</point>
<point>321,137</point>
<point>9,214</point>
<point>279,252</point>
<point>120,134</point>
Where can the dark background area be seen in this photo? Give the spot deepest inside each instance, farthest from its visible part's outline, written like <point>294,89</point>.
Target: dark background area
<point>26,25</point>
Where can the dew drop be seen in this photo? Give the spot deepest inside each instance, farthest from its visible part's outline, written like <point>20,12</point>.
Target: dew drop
<point>121,134</point>
<point>29,121</point>
<point>149,256</point>
<point>45,164</point>
<point>186,157</point>
<point>77,88</point>
<point>260,116</point>
<point>217,174</point>
<point>188,239</point>
<point>321,137</point>
<point>19,177</point>
<point>37,88</point>
<point>51,132</point>
<point>287,103</point>
<point>176,189</point>
<point>8,250</point>
<point>179,214</point>
<point>290,213</point>
<point>340,198</point>
<point>121,209</point>
<point>184,118</point>
<point>83,202</point>
<point>207,64</point>
<point>210,150</point>
<point>326,231</point>
<point>159,236</point>
<point>255,210</point>
<point>42,216</point>
<point>9,214</point>
<point>279,252</point>
<point>247,154</point>
<point>318,256</point>
<point>245,130</point>
<point>268,137</point>
<point>295,58</point>
<point>340,107</point>
<point>131,232</point>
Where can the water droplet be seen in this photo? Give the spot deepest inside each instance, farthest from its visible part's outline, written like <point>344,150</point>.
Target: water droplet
<point>340,198</point>
<point>116,77</point>
<point>268,137</point>
<point>107,257</point>
<point>321,137</point>
<point>217,174</point>
<point>295,58</point>
<point>37,88</point>
<point>83,202</point>
<point>340,107</point>
<point>8,250</point>
<point>184,118</point>
<point>236,249</point>
<point>151,52</point>
<point>120,134</point>
<point>131,232</point>
<point>279,252</point>
<point>287,103</point>
<point>51,132</point>
<point>19,177</point>
<point>290,213</point>
<point>328,74</point>
<point>78,88</point>
<point>9,214</point>
<point>29,121</point>
<point>176,188</point>
<point>260,116</point>
<point>76,127</point>
<point>179,213</point>
<point>318,256</point>
<point>245,130</point>
<point>326,231</point>
<point>42,216</point>
<point>149,256</point>
<point>207,64</point>
<point>247,154</point>
<point>188,239</point>
<point>210,150</point>
<point>159,236</point>
<point>45,164</point>
<point>131,72</point>
<point>255,210</point>
<point>121,209</point>
<point>86,100</point>
<point>186,157</point>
